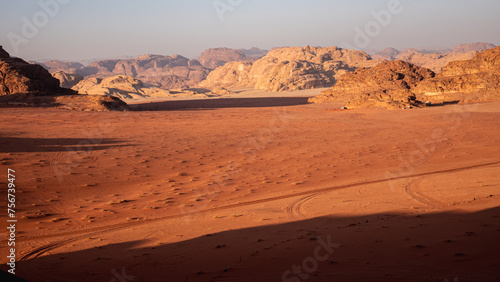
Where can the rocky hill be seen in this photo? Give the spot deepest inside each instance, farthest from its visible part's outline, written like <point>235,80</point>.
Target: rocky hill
<point>254,53</point>
<point>388,54</point>
<point>478,47</point>
<point>67,80</point>
<point>166,72</point>
<point>387,85</point>
<point>128,88</point>
<point>25,84</point>
<point>477,79</point>
<point>433,59</point>
<point>56,66</point>
<point>290,68</point>
<point>216,57</point>
<point>20,77</point>
<point>397,84</point>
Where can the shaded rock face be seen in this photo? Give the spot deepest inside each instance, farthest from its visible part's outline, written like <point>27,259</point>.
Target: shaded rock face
<point>67,80</point>
<point>216,57</point>
<point>20,77</point>
<point>387,85</point>
<point>3,53</point>
<point>290,68</point>
<point>477,79</point>
<point>162,71</point>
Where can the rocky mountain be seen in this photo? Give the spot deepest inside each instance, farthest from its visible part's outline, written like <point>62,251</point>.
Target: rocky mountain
<point>67,80</point>
<point>290,68</point>
<point>388,54</point>
<point>216,57</point>
<point>254,53</point>
<point>396,84</point>
<point>127,88</point>
<point>166,72</point>
<point>387,85</point>
<point>433,59</point>
<point>20,77</point>
<point>479,46</point>
<point>25,84</point>
<point>55,66</point>
<point>477,79</point>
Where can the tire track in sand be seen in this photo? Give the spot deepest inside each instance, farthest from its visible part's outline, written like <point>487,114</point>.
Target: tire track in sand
<point>80,234</point>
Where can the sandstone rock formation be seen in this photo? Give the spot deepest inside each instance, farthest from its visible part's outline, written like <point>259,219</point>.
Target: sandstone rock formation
<point>435,61</point>
<point>161,71</point>
<point>19,77</point>
<point>67,80</point>
<point>477,79</point>
<point>216,57</point>
<point>290,68</point>
<point>25,84</point>
<point>479,46</point>
<point>127,88</point>
<point>387,85</point>
<point>3,53</point>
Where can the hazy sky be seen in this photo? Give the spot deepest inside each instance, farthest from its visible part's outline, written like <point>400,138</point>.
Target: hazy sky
<point>88,29</point>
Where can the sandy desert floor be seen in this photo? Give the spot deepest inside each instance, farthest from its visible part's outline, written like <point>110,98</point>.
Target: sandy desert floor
<point>254,189</point>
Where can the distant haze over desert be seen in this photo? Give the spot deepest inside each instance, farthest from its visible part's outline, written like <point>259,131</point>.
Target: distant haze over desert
<point>234,140</point>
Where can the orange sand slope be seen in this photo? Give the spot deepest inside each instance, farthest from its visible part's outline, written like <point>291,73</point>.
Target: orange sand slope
<point>260,190</point>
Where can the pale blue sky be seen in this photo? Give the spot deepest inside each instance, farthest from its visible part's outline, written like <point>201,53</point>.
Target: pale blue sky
<point>87,29</point>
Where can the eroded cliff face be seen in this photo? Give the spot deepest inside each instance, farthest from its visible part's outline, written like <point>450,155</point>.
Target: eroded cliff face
<point>387,85</point>
<point>477,79</point>
<point>20,77</point>
<point>290,68</point>
<point>401,84</point>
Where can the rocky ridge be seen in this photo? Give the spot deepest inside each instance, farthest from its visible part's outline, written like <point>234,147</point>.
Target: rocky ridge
<point>387,85</point>
<point>290,68</point>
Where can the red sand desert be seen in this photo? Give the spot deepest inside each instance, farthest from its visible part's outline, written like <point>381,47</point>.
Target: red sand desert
<point>255,189</point>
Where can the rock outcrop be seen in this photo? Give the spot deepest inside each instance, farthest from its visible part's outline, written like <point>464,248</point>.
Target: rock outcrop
<point>477,79</point>
<point>290,68</point>
<point>216,57</point>
<point>387,85</point>
<point>20,77</point>
<point>435,61</point>
<point>25,84</point>
<point>127,88</point>
<point>67,80</point>
<point>3,53</point>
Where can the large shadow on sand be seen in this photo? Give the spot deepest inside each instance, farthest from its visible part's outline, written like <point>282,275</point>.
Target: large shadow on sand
<point>377,247</point>
<point>221,103</point>
<point>38,145</point>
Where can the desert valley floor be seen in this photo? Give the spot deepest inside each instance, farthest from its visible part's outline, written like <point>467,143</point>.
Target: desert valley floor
<point>244,189</point>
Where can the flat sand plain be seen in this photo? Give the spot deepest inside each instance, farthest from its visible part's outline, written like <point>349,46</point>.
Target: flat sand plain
<point>254,189</point>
